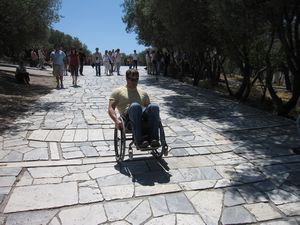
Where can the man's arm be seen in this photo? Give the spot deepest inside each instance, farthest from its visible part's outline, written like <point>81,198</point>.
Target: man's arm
<point>146,100</point>
<point>113,115</point>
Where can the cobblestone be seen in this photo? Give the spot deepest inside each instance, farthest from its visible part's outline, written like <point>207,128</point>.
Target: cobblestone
<point>228,163</point>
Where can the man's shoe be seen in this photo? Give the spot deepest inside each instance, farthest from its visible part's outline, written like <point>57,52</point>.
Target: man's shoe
<point>296,150</point>
<point>155,143</point>
<point>143,144</point>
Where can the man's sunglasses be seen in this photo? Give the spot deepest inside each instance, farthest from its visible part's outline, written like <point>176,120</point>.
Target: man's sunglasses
<point>133,79</point>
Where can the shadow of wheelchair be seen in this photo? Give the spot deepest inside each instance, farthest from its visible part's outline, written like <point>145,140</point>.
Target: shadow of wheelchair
<point>145,171</point>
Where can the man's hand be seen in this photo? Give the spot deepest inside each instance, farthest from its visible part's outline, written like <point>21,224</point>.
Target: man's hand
<point>113,115</point>
<point>118,124</point>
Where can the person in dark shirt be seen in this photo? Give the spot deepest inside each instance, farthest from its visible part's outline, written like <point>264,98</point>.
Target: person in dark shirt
<point>22,76</point>
<point>82,58</point>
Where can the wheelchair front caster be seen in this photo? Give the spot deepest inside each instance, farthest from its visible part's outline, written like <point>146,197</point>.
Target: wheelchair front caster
<point>130,154</point>
<point>165,150</point>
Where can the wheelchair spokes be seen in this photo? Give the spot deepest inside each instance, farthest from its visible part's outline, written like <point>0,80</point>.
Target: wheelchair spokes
<point>120,143</point>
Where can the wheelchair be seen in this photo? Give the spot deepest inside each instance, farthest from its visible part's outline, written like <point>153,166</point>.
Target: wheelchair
<point>125,134</point>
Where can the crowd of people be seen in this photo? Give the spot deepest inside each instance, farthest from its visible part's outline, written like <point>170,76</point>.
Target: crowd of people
<point>157,62</point>
<point>111,60</point>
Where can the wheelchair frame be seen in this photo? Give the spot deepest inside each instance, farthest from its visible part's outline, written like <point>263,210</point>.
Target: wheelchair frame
<point>124,134</point>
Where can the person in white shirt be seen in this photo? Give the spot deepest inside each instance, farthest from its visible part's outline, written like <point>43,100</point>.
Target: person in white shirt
<point>118,61</point>
<point>59,61</point>
<point>97,60</point>
<point>42,57</point>
<point>135,59</point>
<point>106,63</point>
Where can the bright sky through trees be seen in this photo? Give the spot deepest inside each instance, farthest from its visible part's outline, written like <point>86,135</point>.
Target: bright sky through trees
<point>97,23</point>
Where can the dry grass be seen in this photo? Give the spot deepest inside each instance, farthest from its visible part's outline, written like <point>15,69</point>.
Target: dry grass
<point>16,99</point>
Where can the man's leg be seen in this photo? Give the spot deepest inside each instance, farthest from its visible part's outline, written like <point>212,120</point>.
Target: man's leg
<point>135,116</point>
<point>61,76</point>
<point>61,81</point>
<point>27,79</point>
<point>118,68</point>
<point>57,80</point>
<point>135,64</point>
<point>152,115</point>
<point>81,68</point>
<point>96,67</point>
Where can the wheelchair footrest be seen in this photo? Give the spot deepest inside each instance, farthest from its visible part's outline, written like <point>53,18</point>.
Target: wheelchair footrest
<point>149,148</point>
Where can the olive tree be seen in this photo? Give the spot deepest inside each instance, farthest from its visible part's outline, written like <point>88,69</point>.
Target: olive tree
<point>25,23</point>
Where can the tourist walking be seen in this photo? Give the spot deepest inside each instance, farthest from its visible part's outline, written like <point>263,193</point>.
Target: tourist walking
<point>21,75</point>
<point>34,58</point>
<point>166,59</point>
<point>59,60</point>
<point>118,61</point>
<point>106,63</point>
<point>135,59</point>
<point>111,62</point>
<point>148,62</point>
<point>74,65</point>
<point>154,62</point>
<point>42,57</point>
<point>82,58</point>
<point>97,60</point>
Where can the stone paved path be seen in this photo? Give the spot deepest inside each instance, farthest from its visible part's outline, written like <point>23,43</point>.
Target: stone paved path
<point>228,163</point>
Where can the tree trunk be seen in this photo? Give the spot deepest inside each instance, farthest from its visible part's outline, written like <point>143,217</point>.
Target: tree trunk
<point>294,99</point>
<point>287,80</point>
<point>269,77</point>
<point>226,81</point>
<point>245,88</point>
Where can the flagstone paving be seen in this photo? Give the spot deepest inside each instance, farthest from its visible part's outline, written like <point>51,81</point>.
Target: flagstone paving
<point>228,163</point>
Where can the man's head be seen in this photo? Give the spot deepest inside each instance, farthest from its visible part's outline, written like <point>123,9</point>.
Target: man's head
<point>132,78</point>
<point>57,47</point>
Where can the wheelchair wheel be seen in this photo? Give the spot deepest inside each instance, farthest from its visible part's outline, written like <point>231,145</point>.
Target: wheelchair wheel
<point>120,142</point>
<point>163,149</point>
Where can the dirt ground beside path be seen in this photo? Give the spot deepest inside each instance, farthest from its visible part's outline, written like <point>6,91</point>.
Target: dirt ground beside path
<point>16,99</point>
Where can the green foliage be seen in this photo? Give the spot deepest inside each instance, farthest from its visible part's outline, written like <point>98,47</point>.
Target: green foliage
<point>67,41</point>
<point>177,24</point>
<point>252,36</point>
<point>25,23</point>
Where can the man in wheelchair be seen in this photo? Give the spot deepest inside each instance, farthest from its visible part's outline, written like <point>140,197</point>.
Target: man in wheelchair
<point>134,105</point>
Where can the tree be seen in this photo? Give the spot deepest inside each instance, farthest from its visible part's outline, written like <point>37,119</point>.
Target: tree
<point>284,18</point>
<point>25,23</point>
<point>67,41</point>
<point>251,35</point>
<point>176,25</point>
<point>243,31</point>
